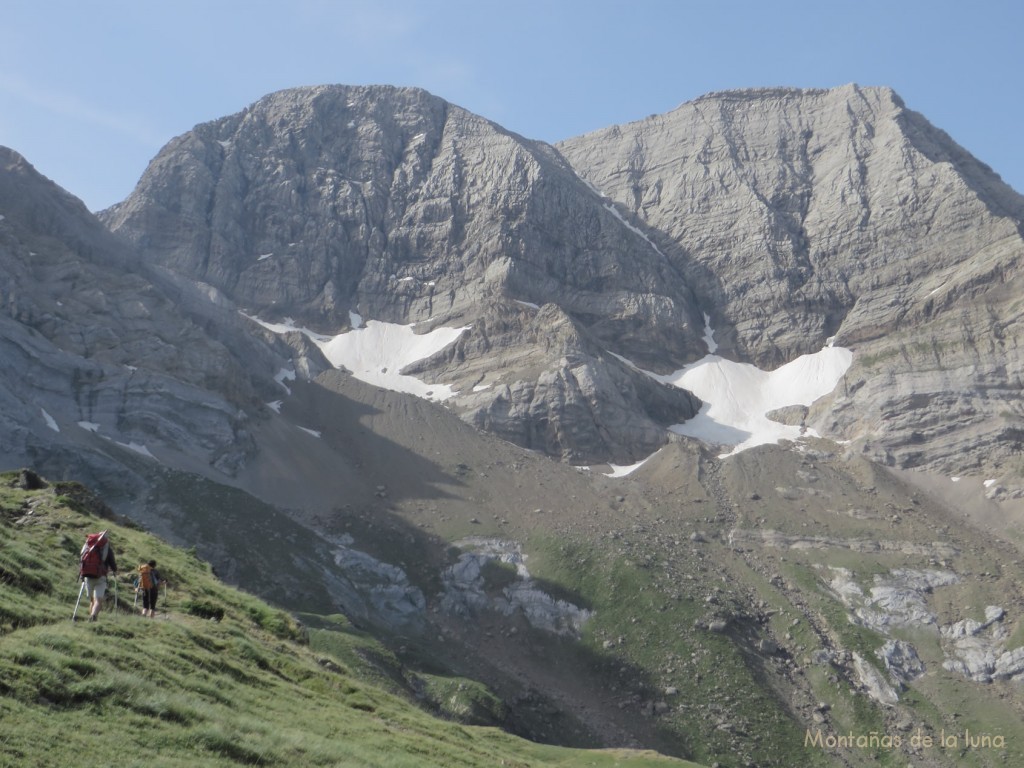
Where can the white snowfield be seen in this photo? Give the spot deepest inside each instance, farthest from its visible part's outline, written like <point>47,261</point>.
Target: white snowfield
<point>375,352</point>
<point>739,396</point>
<point>378,351</point>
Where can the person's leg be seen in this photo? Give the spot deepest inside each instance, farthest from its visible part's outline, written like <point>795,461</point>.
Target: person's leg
<point>90,591</point>
<point>153,593</point>
<point>99,588</point>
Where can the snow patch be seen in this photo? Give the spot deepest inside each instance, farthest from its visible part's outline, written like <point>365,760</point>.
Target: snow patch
<point>709,335</point>
<point>355,319</point>
<point>990,483</point>
<point>377,352</point>
<point>263,257</point>
<point>49,419</point>
<point>622,471</point>
<point>481,387</point>
<point>89,426</point>
<point>139,448</point>
<point>275,406</point>
<point>738,396</point>
<point>285,374</point>
<point>529,304</point>
<point>312,432</point>
<point>610,207</point>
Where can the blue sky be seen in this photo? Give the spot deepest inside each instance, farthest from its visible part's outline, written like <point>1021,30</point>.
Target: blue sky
<point>90,91</point>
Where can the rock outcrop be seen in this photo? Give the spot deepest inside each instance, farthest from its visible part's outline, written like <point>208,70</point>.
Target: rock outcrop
<point>108,363</point>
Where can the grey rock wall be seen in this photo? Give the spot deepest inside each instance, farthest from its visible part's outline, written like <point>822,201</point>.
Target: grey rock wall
<point>390,202</point>
<point>791,217</point>
<point>801,215</point>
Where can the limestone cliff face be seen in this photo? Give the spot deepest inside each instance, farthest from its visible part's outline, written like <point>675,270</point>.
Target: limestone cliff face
<point>105,360</point>
<point>390,202</point>
<point>788,216</point>
<point>797,216</point>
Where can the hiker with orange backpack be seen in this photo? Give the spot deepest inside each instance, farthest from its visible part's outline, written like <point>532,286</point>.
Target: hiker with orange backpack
<point>149,586</point>
<point>97,560</point>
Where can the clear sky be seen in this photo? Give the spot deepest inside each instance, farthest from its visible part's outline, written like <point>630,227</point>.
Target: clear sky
<point>90,91</point>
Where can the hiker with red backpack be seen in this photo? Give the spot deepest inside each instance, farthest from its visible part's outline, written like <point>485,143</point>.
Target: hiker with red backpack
<point>97,560</point>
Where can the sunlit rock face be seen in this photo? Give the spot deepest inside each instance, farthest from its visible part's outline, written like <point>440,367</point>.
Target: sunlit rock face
<point>788,217</point>
<point>801,215</point>
<point>391,203</point>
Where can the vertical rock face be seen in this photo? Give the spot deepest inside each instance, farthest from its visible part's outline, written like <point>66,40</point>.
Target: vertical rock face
<point>390,202</point>
<point>803,215</point>
<point>793,211</point>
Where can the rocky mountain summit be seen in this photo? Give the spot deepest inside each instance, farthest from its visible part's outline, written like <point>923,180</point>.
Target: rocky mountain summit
<point>800,216</point>
<point>391,203</point>
<point>787,218</point>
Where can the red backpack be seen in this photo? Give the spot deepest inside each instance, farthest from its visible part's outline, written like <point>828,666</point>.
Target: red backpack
<point>93,555</point>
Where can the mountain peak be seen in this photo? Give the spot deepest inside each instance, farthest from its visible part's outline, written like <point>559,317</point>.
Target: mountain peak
<point>787,216</point>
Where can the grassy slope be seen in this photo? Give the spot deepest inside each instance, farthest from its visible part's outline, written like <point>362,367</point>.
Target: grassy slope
<point>183,690</point>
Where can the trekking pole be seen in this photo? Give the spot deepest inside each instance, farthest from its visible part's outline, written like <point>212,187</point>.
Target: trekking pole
<point>81,591</point>
<point>115,596</point>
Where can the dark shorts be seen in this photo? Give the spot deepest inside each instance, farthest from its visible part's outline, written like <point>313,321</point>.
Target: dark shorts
<point>149,598</point>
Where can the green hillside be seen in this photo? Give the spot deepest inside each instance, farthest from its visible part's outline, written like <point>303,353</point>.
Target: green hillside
<point>218,678</point>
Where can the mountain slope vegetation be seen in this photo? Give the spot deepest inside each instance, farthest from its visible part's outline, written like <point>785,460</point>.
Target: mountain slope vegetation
<point>219,678</point>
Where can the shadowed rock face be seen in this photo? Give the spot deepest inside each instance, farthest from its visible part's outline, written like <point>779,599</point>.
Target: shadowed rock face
<point>105,358</point>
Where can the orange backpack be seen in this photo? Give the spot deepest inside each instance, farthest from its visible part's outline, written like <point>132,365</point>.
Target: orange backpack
<point>147,579</point>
